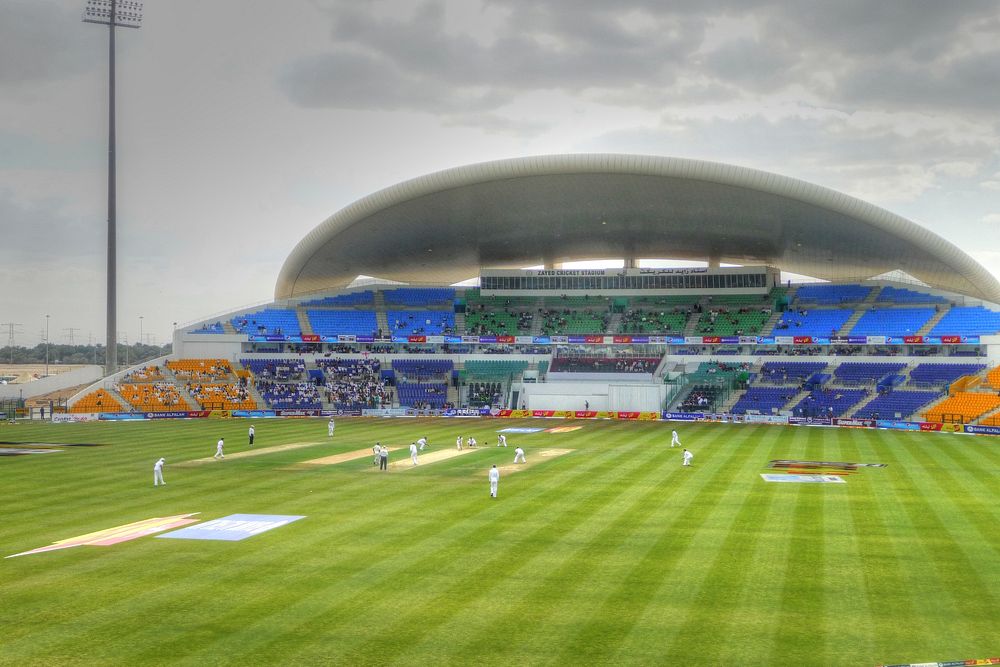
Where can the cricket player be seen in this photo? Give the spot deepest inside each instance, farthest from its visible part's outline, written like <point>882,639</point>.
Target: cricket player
<point>675,441</point>
<point>502,440</point>
<point>458,442</point>
<point>251,432</point>
<point>687,457</point>
<point>158,472</point>
<point>422,442</point>
<point>329,428</point>
<point>494,480</point>
<point>383,458</point>
<point>413,452</point>
<point>519,455</point>
<point>471,441</point>
<point>218,449</point>
<point>377,451</point>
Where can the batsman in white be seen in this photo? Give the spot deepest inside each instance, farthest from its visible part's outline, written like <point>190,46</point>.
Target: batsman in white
<point>494,480</point>
<point>502,440</point>
<point>158,472</point>
<point>458,442</point>
<point>218,449</point>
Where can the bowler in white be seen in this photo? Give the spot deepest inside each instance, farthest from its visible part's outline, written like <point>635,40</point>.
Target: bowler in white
<point>494,480</point>
<point>422,442</point>
<point>158,472</point>
<point>413,452</point>
<point>218,449</point>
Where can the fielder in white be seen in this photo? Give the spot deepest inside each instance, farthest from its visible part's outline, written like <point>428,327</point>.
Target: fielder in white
<point>675,441</point>
<point>158,472</point>
<point>519,455</point>
<point>502,440</point>
<point>329,428</point>
<point>413,452</point>
<point>377,451</point>
<point>458,442</point>
<point>422,442</point>
<point>218,449</point>
<point>471,441</point>
<point>687,457</point>
<point>494,480</point>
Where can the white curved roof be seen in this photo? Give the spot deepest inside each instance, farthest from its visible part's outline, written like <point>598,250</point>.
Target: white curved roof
<point>446,226</point>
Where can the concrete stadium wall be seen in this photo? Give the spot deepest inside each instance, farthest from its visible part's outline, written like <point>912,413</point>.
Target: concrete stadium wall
<point>52,383</point>
<point>616,396</point>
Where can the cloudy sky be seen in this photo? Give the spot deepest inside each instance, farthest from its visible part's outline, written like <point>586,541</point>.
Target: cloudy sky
<point>244,123</point>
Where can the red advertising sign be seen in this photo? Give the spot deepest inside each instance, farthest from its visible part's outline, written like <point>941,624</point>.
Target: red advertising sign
<point>505,339</point>
<point>951,340</point>
<point>626,415</point>
<point>310,338</point>
<point>711,340</point>
<point>416,339</point>
<point>930,426</point>
<point>623,339</point>
<point>913,339</point>
<point>543,413</point>
<point>802,340</point>
<point>585,414</point>
<point>593,339</point>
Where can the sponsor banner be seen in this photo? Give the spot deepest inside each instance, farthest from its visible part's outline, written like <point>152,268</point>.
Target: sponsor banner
<point>467,412</point>
<point>365,339</point>
<point>219,414</point>
<point>765,340</point>
<point>810,421</point>
<point>179,414</point>
<point>559,339</point>
<point>470,339</point>
<point>435,339</point>
<point>982,430</point>
<point>947,428</point>
<point>909,340</point>
<point>121,416</point>
<point>735,419</point>
<point>297,413</point>
<point>875,340</point>
<point>682,416</point>
<point>784,340</point>
<point>642,340</point>
<point>621,339</point>
<point>524,340</point>
<point>233,528</point>
<point>506,339</point>
<point>657,340</point>
<point>746,340</point>
<point>453,340</point>
<point>340,413</point>
<point>487,339</point>
<point>254,414</point>
<point>541,340</point>
<point>60,418</point>
<point>636,416</point>
<point>118,534</point>
<point>311,338</point>
<point>711,340</point>
<point>751,418</point>
<point>898,425</point>
<point>802,340</point>
<point>594,339</point>
<point>543,413</point>
<point>514,414</point>
<point>855,423</point>
<point>800,479</point>
<point>415,339</point>
<point>693,340</point>
<point>346,339</point>
<point>583,414</point>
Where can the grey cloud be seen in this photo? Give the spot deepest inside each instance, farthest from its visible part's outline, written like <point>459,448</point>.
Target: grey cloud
<point>40,232</point>
<point>45,41</point>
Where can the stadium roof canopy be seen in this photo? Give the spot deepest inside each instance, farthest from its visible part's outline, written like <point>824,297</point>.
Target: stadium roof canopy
<point>444,227</point>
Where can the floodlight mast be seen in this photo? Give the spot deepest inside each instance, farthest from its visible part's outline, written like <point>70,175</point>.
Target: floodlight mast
<point>126,14</point>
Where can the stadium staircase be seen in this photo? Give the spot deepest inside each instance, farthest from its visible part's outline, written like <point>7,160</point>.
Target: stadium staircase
<point>168,374</point>
<point>730,401</point>
<point>304,324</point>
<point>460,323</point>
<point>614,322</point>
<point>228,327</point>
<point>852,320</point>
<point>381,319</point>
<point>768,327</point>
<point>798,398</point>
<point>989,417</point>
<point>931,323</point>
<point>118,397</point>
<point>692,324</point>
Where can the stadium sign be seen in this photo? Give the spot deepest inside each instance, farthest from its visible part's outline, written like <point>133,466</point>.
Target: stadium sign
<point>982,430</point>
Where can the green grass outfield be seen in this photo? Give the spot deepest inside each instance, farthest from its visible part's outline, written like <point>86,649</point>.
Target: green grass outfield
<point>611,554</point>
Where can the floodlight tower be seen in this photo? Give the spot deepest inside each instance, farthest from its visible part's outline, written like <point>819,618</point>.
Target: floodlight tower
<point>126,14</point>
